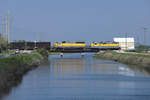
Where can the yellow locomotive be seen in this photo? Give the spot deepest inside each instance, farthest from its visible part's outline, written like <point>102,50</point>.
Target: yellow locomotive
<point>94,45</point>
<point>105,45</point>
<point>70,45</point>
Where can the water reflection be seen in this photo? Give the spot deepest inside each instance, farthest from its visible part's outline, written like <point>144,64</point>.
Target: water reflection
<point>87,65</point>
<point>64,66</point>
<point>82,78</point>
<point>126,71</point>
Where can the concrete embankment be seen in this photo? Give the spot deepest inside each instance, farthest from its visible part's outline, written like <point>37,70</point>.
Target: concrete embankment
<point>139,60</point>
<point>13,68</point>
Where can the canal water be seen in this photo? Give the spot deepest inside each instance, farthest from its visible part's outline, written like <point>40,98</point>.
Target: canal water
<point>82,78</point>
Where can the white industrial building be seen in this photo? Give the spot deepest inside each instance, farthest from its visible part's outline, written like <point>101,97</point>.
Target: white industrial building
<point>125,43</point>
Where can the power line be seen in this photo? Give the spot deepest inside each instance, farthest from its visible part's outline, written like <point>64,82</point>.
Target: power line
<point>6,28</point>
<point>8,25</point>
<point>145,30</point>
<point>126,40</point>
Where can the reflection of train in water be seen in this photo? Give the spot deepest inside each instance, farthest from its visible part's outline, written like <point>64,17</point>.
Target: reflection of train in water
<point>99,45</point>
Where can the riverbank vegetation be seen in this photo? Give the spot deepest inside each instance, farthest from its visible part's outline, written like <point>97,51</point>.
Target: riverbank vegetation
<point>13,68</point>
<point>3,43</point>
<point>137,59</point>
<point>141,48</point>
<point>54,53</point>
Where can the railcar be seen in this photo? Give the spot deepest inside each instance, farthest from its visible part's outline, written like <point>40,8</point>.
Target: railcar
<point>17,45</point>
<point>105,45</point>
<point>30,45</point>
<point>45,45</point>
<point>70,45</point>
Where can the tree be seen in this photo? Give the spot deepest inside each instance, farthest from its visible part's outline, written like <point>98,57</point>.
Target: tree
<point>3,43</point>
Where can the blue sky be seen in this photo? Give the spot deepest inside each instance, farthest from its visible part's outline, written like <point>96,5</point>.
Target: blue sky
<point>76,20</point>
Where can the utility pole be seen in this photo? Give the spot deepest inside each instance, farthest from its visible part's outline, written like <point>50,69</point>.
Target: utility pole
<point>126,41</point>
<point>0,24</point>
<point>3,29</point>
<point>138,40</point>
<point>8,26</point>
<point>145,30</point>
<point>37,36</point>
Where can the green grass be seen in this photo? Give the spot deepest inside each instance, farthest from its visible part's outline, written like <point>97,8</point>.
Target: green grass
<point>126,58</point>
<point>131,54</point>
<point>53,53</point>
<point>12,68</point>
<point>7,52</point>
<point>19,60</point>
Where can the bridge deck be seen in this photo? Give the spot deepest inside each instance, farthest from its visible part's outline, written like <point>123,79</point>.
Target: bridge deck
<point>80,50</point>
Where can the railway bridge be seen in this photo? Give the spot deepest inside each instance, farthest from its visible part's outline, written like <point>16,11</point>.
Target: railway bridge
<point>80,50</point>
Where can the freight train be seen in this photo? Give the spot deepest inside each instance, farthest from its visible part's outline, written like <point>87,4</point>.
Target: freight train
<point>30,45</point>
<point>68,45</point>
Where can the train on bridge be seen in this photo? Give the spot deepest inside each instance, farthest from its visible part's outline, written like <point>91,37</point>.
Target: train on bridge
<point>30,45</point>
<point>83,47</point>
<point>66,46</point>
<point>100,45</point>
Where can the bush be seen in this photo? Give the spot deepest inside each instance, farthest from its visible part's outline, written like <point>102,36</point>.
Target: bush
<point>141,48</point>
<point>43,52</point>
<point>25,60</point>
<point>0,50</point>
<point>12,69</point>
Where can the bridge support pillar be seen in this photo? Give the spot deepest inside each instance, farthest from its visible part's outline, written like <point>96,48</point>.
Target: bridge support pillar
<point>61,54</point>
<point>82,54</point>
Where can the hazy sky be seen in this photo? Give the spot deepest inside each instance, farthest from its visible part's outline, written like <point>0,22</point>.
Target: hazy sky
<point>76,20</point>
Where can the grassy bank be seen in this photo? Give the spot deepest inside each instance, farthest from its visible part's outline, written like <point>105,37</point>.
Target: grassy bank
<point>126,58</point>
<point>13,68</point>
<point>7,52</point>
<point>54,53</point>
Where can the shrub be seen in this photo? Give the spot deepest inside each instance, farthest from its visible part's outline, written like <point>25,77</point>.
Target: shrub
<point>141,48</point>
<point>43,52</point>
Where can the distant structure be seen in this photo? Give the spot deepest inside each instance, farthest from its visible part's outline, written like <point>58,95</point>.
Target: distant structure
<point>125,43</point>
<point>5,27</point>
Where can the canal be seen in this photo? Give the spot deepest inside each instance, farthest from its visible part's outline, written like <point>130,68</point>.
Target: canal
<point>82,78</point>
